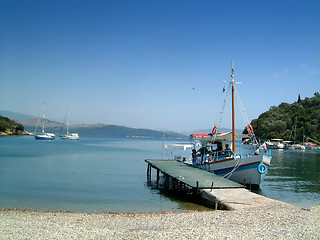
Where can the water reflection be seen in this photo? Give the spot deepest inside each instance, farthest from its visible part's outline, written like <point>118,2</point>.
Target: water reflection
<point>294,177</point>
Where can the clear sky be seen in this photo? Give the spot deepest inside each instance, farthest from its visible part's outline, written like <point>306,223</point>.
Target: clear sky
<point>154,63</point>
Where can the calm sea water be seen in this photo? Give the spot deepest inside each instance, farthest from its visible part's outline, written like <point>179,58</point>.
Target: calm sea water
<point>294,177</point>
<point>109,175</point>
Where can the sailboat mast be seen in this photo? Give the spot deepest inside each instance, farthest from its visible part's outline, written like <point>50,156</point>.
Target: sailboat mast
<point>233,113</point>
<point>68,112</point>
<point>43,117</point>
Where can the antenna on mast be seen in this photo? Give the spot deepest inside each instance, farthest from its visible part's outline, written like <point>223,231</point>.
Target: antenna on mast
<point>232,72</point>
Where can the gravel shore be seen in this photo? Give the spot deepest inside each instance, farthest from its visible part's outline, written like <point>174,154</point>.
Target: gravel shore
<point>269,222</point>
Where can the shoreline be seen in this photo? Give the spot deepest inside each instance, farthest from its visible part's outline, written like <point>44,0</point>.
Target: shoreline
<point>280,221</point>
<point>15,133</point>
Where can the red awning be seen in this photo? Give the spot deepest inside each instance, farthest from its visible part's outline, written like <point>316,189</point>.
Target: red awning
<point>199,135</point>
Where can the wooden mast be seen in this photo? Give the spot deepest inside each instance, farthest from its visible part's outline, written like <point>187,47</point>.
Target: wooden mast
<point>233,113</point>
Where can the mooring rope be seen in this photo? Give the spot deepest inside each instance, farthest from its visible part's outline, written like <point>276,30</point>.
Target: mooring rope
<point>243,113</point>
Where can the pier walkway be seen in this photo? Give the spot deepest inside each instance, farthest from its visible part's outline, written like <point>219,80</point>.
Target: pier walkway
<point>191,176</point>
<point>212,189</point>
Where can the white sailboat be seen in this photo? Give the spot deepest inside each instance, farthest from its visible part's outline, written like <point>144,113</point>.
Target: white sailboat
<point>43,135</point>
<point>244,169</point>
<point>294,145</point>
<point>69,136</point>
<point>276,143</point>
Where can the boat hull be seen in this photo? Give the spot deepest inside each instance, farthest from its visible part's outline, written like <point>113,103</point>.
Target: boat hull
<point>73,136</point>
<point>249,170</point>
<point>45,137</point>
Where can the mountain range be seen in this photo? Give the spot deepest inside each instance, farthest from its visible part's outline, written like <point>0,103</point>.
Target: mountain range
<point>16,116</point>
<point>30,122</point>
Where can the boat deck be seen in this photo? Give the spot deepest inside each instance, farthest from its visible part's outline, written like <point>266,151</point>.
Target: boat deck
<point>191,176</point>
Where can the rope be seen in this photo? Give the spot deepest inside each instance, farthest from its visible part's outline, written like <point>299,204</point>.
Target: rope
<point>212,109</point>
<point>223,106</point>
<point>243,113</point>
<point>221,114</point>
<point>236,166</point>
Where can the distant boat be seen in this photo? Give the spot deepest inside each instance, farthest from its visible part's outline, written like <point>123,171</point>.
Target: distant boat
<point>294,145</point>
<point>43,135</point>
<point>69,136</point>
<point>311,145</point>
<point>298,147</point>
<point>276,144</point>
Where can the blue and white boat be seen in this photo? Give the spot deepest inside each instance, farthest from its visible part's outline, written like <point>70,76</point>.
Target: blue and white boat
<point>224,161</point>
<point>43,135</point>
<point>248,169</point>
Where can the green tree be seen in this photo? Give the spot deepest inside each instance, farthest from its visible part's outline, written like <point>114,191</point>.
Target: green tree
<point>7,124</point>
<point>280,121</point>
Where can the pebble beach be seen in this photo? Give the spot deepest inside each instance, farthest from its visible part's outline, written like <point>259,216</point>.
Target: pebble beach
<point>279,221</point>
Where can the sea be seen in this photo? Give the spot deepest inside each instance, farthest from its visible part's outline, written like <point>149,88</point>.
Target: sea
<point>103,174</point>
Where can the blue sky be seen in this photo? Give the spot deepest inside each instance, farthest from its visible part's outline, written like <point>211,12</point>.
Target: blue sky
<point>155,64</point>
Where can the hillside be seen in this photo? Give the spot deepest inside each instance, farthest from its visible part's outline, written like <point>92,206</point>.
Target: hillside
<point>100,130</point>
<point>29,123</point>
<point>301,117</point>
<point>121,131</point>
<point>15,116</point>
<point>10,127</point>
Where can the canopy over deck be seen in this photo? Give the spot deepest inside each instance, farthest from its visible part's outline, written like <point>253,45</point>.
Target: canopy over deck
<point>185,146</point>
<point>219,136</point>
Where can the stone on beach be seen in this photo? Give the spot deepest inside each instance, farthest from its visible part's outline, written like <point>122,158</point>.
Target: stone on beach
<point>266,222</point>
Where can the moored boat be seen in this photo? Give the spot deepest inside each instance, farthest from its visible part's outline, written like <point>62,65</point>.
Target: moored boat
<point>224,161</point>
<point>276,144</point>
<point>43,135</point>
<point>69,136</point>
<point>249,169</point>
<point>294,146</point>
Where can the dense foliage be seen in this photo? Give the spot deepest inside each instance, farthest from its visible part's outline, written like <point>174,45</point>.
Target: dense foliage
<point>7,124</point>
<point>301,118</point>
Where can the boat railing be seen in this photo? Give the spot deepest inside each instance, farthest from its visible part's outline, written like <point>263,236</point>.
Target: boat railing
<point>268,153</point>
<point>213,157</point>
<point>222,155</point>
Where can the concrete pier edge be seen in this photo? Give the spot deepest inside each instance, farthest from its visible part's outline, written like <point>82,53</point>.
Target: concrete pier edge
<point>237,199</point>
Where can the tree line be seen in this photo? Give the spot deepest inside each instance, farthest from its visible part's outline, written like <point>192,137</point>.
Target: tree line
<point>296,121</point>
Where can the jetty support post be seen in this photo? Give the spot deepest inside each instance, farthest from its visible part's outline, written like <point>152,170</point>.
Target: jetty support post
<point>149,172</point>
<point>158,176</point>
<point>196,191</point>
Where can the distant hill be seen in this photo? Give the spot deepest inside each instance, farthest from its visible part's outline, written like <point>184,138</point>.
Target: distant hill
<point>99,130</point>
<point>16,116</point>
<point>121,131</point>
<point>301,118</point>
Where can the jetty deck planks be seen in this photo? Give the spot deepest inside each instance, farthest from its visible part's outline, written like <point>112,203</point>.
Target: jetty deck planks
<point>194,177</point>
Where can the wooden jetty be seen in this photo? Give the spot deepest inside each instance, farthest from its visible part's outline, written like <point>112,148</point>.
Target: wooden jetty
<point>211,189</point>
<point>193,177</point>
